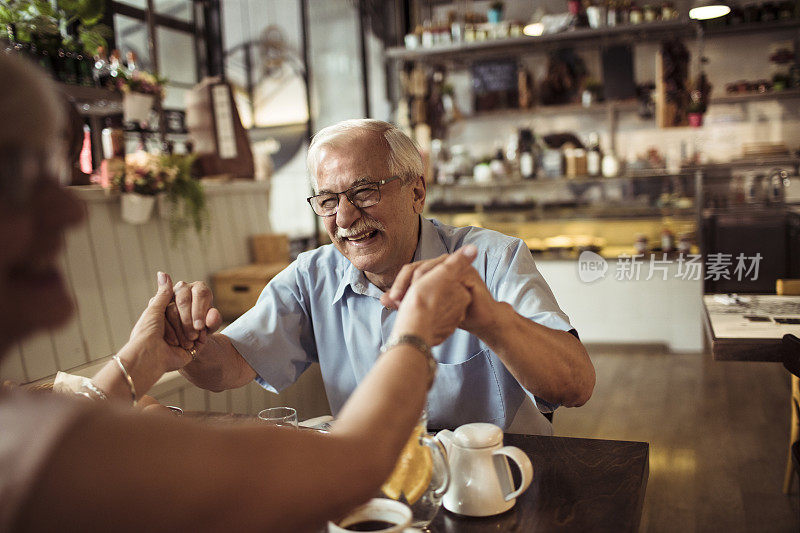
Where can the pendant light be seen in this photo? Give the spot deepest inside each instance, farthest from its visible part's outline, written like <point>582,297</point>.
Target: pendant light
<point>535,27</point>
<point>709,9</point>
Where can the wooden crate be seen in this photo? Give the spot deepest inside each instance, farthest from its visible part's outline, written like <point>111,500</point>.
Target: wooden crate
<point>237,289</point>
<point>269,248</point>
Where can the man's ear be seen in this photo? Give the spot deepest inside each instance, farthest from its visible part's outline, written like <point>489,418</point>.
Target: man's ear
<point>418,190</point>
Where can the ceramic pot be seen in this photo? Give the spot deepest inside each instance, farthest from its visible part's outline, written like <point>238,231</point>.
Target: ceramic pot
<point>136,106</point>
<point>695,120</point>
<point>136,208</point>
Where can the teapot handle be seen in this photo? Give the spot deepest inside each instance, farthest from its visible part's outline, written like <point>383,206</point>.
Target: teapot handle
<point>437,448</point>
<point>525,468</point>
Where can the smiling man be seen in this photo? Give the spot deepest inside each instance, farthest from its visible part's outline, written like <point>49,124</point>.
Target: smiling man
<point>515,357</point>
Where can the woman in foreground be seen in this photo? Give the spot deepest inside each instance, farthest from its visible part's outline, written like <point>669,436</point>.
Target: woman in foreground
<point>67,463</point>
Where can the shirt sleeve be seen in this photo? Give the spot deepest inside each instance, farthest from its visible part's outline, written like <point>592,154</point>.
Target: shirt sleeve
<point>276,337</point>
<point>514,278</point>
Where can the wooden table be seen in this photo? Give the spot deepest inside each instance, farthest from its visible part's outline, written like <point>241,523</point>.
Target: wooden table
<point>749,327</point>
<point>578,485</point>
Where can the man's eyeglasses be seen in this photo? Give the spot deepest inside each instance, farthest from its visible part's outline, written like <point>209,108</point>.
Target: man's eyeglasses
<point>361,195</point>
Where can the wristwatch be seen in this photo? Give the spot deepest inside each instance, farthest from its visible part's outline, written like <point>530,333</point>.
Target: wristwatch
<point>420,345</point>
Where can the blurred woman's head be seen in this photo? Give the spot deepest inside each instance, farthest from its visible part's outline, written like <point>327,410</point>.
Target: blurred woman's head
<point>34,206</point>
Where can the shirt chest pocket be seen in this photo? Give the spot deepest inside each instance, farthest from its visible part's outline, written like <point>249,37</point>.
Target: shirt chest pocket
<point>465,392</point>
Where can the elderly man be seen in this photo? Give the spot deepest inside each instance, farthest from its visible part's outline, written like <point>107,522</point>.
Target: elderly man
<point>515,357</point>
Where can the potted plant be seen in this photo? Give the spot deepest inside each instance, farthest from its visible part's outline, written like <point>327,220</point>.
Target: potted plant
<point>141,179</point>
<point>695,112</point>
<point>139,90</point>
<point>184,203</point>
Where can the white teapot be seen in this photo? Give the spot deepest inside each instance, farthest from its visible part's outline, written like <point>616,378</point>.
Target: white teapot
<point>480,479</point>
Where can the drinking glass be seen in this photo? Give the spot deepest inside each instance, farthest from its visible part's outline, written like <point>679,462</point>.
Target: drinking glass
<point>425,508</point>
<point>279,416</point>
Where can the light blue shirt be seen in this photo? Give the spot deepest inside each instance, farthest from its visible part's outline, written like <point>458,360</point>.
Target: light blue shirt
<point>322,309</point>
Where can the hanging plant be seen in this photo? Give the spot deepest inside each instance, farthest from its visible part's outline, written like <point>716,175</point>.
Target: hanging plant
<point>74,24</point>
<point>186,199</point>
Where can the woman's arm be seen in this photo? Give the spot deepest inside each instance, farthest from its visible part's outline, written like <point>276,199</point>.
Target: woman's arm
<point>118,471</point>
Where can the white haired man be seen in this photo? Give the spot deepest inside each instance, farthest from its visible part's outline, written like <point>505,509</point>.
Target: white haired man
<point>515,357</point>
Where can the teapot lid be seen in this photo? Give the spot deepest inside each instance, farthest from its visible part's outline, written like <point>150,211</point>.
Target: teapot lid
<point>478,435</point>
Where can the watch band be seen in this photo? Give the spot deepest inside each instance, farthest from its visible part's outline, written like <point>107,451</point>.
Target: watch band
<point>420,345</point>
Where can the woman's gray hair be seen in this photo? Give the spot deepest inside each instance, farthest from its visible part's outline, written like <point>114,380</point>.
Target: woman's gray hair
<point>404,155</point>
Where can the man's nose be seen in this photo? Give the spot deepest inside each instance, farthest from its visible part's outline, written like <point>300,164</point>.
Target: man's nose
<point>346,213</point>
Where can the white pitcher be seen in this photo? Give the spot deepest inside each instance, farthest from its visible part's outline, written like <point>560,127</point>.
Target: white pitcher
<point>480,479</point>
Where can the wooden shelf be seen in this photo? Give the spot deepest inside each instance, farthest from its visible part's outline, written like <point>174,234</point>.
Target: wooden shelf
<point>750,162</point>
<point>742,98</point>
<point>562,109</point>
<point>93,101</point>
<point>545,182</point>
<point>632,33</point>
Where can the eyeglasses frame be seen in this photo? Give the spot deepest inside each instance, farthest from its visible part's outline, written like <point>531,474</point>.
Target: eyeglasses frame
<point>346,195</point>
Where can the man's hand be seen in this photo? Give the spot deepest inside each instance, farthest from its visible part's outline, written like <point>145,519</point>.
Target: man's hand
<point>148,335</point>
<point>191,318</point>
<point>480,314</point>
<point>437,302</point>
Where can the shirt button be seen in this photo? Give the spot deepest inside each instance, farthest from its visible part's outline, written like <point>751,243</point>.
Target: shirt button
<point>359,287</point>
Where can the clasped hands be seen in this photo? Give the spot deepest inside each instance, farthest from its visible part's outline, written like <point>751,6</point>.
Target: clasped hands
<point>479,313</point>
<point>440,295</point>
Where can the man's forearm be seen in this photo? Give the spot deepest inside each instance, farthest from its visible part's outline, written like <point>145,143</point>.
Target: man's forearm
<point>552,364</point>
<point>218,366</point>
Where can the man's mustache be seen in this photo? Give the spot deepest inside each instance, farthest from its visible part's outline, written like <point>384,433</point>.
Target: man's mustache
<point>360,226</point>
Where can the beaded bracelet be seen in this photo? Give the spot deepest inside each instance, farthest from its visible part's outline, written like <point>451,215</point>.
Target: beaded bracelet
<point>127,378</point>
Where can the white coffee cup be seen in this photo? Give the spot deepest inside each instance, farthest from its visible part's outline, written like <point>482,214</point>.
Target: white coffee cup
<point>376,510</point>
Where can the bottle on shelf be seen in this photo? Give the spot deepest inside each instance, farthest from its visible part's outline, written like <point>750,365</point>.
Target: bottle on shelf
<point>498,165</point>
<point>611,13</point>
<point>100,71</point>
<point>667,241</point>
<point>624,12</point>
<point>593,156</point>
<point>132,63</point>
<point>114,66</point>
<point>610,165</point>
<point>526,158</point>
<point>512,156</point>
<point>636,16</point>
<point>640,244</point>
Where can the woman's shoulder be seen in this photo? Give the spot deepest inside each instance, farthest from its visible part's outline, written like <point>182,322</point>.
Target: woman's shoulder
<point>33,424</point>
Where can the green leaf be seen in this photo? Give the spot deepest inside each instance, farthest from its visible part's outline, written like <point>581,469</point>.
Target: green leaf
<point>91,41</point>
<point>89,12</point>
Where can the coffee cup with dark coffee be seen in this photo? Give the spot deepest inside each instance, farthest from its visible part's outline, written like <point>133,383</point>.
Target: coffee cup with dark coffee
<point>380,515</point>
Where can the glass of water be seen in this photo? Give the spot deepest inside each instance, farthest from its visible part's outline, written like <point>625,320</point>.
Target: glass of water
<point>279,416</point>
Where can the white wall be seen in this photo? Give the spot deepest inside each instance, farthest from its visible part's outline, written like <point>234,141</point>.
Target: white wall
<point>642,311</point>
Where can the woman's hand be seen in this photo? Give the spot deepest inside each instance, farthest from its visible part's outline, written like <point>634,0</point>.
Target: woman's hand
<point>437,301</point>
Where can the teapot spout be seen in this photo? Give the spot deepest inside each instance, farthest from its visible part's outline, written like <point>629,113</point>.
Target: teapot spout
<point>445,436</point>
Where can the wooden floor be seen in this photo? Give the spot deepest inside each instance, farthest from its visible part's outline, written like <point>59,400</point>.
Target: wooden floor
<point>718,434</point>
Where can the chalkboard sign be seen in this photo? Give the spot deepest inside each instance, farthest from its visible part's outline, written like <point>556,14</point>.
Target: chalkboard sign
<point>494,85</point>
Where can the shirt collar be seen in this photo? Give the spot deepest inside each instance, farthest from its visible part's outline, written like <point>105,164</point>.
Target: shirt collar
<point>430,245</point>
